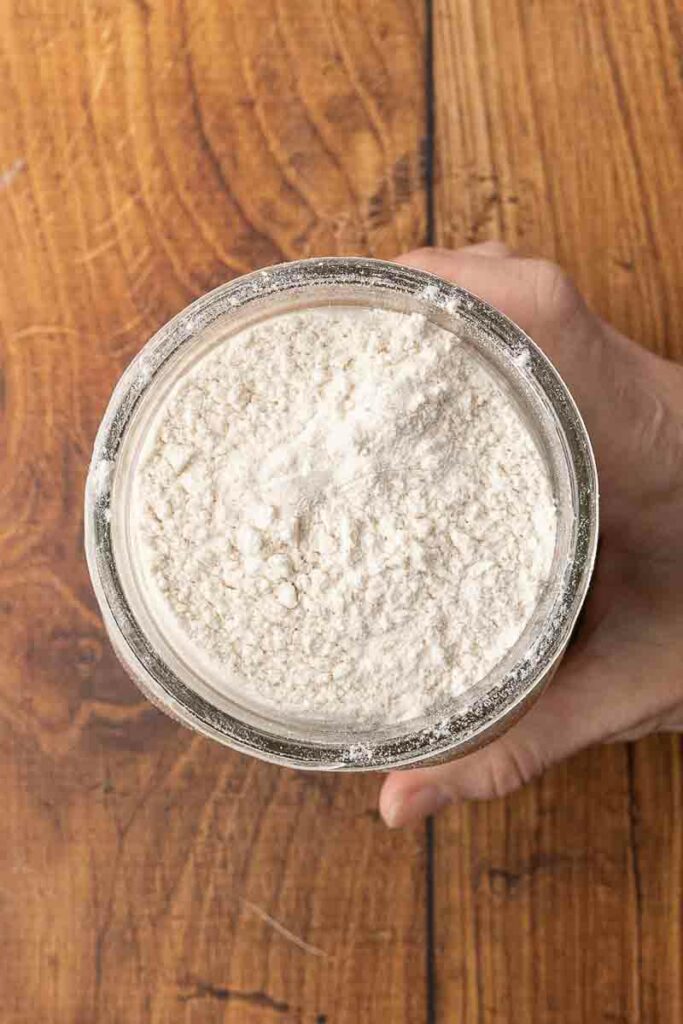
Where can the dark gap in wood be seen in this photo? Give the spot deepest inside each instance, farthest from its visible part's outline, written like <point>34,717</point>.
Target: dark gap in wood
<point>429,141</point>
<point>430,925</point>
<point>430,232</point>
<point>634,822</point>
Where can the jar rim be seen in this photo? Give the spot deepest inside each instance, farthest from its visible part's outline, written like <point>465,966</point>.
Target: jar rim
<point>453,734</point>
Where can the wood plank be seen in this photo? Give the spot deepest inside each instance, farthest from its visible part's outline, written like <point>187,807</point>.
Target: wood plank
<point>149,151</point>
<point>558,131</point>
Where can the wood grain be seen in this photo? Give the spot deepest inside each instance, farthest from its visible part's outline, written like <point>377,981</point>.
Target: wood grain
<point>558,130</point>
<point>149,151</point>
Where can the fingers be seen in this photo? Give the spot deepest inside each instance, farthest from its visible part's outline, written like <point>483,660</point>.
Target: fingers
<point>403,804</point>
<point>542,300</point>
<point>496,770</point>
<point>597,695</point>
<point>536,294</point>
<point>617,385</point>
<point>491,248</point>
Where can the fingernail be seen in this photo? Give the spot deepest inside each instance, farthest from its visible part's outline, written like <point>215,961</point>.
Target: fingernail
<point>403,809</point>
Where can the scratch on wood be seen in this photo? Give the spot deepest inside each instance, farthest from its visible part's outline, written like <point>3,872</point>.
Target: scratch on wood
<point>206,990</point>
<point>89,99</point>
<point>506,882</point>
<point>40,330</point>
<point>10,173</point>
<point>131,200</point>
<point>102,71</point>
<point>482,215</point>
<point>92,254</point>
<point>145,8</point>
<point>284,932</point>
<point>44,577</point>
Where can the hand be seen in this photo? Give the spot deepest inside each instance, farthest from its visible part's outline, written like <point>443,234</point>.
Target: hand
<point>622,677</point>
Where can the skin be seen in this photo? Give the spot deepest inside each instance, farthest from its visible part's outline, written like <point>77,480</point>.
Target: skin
<point>622,677</point>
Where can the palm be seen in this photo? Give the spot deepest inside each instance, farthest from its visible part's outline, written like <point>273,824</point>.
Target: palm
<point>617,681</point>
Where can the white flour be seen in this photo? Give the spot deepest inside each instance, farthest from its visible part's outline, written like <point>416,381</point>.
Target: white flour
<point>346,513</point>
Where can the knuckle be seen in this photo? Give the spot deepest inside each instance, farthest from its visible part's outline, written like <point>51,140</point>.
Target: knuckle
<point>426,257</point>
<point>430,251</point>
<point>512,767</point>
<point>556,293</point>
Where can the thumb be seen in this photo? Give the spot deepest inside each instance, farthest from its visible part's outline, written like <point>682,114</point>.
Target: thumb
<point>554,728</point>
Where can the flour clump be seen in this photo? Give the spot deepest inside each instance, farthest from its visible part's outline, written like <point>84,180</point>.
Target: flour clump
<point>343,510</point>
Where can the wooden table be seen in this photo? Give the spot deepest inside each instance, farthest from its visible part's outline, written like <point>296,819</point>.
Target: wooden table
<point>151,149</point>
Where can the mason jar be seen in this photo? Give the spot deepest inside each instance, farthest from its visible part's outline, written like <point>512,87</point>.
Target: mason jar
<point>179,684</point>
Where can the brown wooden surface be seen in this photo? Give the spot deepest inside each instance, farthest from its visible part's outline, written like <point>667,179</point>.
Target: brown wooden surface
<point>148,151</point>
<point>558,129</point>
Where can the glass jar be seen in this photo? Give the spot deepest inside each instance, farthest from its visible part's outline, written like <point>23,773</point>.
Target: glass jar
<point>176,683</point>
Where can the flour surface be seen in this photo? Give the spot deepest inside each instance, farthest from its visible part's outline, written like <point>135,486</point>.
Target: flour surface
<point>345,512</point>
